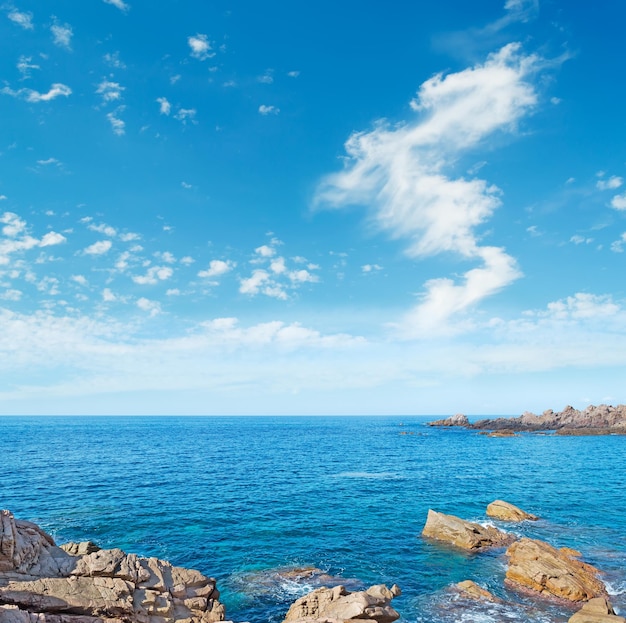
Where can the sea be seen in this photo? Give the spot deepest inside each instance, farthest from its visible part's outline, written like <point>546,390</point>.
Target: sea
<point>273,507</point>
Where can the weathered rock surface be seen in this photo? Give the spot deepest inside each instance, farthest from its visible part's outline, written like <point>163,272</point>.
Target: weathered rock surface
<point>464,534</point>
<point>595,419</point>
<point>332,605</point>
<point>470,590</point>
<point>499,509</point>
<point>596,610</point>
<point>551,572</point>
<point>80,583</point>
<point>455,420</point>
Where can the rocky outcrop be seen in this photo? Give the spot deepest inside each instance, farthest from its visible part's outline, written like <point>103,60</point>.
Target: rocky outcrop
<point>80,583</point>
<point>334,605</point>
<point>602,419</point>
<point>470,590</point>
<point>455,420</point>
<point>499,509</point>
<point>539,567</point>
<point>464,534</point>
<point>596,610</point>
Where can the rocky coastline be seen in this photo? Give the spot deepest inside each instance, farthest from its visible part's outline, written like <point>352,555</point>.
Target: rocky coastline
<point>594,420</point>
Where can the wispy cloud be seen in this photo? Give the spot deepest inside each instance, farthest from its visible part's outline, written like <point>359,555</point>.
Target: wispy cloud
<point>117,125</point>
<point>267,77</point>
<point>61,34</point>
<point>201,47</point>
<point>611,183</point>
<point>30,95</point>
<point>186,115</point>
<point>25,65</point>
<point>110,91</point>
<point>400,172</point>
<point>268,110</point>
<point>120,4</point>
<point>22,18</point>
<point>164,106</point>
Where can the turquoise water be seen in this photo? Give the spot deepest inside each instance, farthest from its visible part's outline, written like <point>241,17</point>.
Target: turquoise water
<point>240,497</point>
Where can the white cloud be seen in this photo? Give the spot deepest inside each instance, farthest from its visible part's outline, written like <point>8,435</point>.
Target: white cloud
<point>186,186</point>
<point>619,202</point>
<point>618,245</point>
<point>200,47</point>
<point>25,65</point>
<point>98,248</point>
<point>164,106</point>
<point>129,237</point>
<point>108,296</point>
<point>110,91</point>
<point>56,90</point>
<point>293,74</point>
<point>79,279</point>
<point>172,292</point>
<point>153,307</point>
<point>369,268</point>
<point>117,125</point>
<point>278,266</point>
<point>267,77</point>
<point>186,114</point>
<point>22,18</point>
<point>120,4</point>
<point>578,239</point>
<point>102,228</point>
<point>581,306</point>
<point>11,294</point>
<point>62,35</point>
<point>49,161</point>
<point>265,251</point>
<point>154,275</point>
<point>3,197</point>
<point>13,224</point>
<point>611,184</point>
<point>268,110</point>
<point>400,172</point>
<point>217,268</point>
<point>52,238</point>
<point>253,284</point>
<point>113,60</point>
<point>187,260</point>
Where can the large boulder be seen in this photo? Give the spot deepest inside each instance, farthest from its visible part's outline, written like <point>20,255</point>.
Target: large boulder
<point>338,605</point>
<point>80,583</point>
<point>464,534</point>
<point>596,610</point>
<point>454,420</point>
<point>539,567</point>
<point>499,509</point>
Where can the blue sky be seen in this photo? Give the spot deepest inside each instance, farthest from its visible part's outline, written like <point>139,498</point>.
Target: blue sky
<point>292,208</point>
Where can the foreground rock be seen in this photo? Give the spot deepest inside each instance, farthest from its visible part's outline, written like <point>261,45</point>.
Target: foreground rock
<point>539,567</point>
<point>602,419</point>
<point>499,509</point>
<point>337,604</point>
<point>464,534</point>
<point>597,610</point>
<point>43,583</point>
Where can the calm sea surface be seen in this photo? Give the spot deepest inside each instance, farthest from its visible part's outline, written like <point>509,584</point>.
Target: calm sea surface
<point>242,497</point>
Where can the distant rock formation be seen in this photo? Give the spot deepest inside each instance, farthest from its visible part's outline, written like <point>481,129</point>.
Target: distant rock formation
<point>550,572</point>
<point>464,534</point>
<point>595,419</point>
<point>499,509</point>
<point>80,583</point>
<point>336,605</point>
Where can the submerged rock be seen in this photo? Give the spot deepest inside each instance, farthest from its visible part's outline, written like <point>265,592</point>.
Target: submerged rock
<point>338,604</point>
<point>596,610</point>
<point>80,583</point>
<point>464,534</point>
<point>499,509</point>
<point>539,567</point>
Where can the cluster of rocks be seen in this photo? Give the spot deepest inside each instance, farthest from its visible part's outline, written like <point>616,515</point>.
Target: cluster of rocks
<point>599,420</point>
<point>534,567</point>
<point>81,583</point>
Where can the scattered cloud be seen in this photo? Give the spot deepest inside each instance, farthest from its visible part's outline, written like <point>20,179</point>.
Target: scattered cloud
<point>164,106</point>
<point>30,95</point>
<point>52,238</point>
<point>61,34</point>
<point>186,186</point>
<point>400,171</point>
<point>50,161</point>
<point>611,183</point>
<point>112,59</point>
<point>186,114</point>
<point>117,125</point>
<point>200,47</point>
<point>293,74</point>
<point>578,239</point>
<point>120,4</point>
<point>154,275</point>
<point>267,77</point>
<point>268,110</point>
<point>152,307</point>
<point>22,18</point>
<point>217,268</point>
<point>619,202</point>
<point>110,91</point>
<point>370,268</point>
<point>618,245</point>
<point>98,248</point>
<point>25,65</point>
<point>581,306</point>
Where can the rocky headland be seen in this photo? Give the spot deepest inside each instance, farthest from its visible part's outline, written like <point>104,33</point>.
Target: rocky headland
<point>594,420</point>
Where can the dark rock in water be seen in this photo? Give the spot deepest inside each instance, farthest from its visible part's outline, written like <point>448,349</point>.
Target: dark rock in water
<point>80,583</point>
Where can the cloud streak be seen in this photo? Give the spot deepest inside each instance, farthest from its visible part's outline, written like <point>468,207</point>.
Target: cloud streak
<point>402,174</point>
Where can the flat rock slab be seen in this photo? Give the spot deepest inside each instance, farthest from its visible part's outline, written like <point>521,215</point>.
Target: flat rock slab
<point>596,610</point>
<point>464,534</point>
<point>499,509</point>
